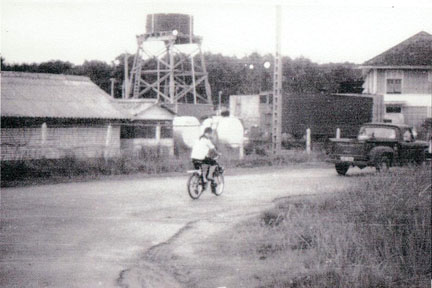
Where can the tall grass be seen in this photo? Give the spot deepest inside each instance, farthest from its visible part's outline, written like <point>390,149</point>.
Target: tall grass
<point>375,234</point>
<point>148,161</point>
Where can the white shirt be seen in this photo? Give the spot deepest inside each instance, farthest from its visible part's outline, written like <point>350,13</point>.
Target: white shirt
<point>201,148</point>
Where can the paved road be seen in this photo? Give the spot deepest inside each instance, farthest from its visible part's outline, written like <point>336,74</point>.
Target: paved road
<point>85,234</point>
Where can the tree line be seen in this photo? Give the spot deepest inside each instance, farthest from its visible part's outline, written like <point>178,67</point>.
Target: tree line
<point>229,74</point>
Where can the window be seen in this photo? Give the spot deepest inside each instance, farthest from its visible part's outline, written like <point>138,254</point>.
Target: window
<point>408,136</point>
<point>394,86</point>
<point>148,132</point>
<point>270,99</point>
<point>130,132</point>
<point>263,99</point>
<point>393,109</point>
<point>127,132</point>
<point>166,132</point>
<point>376,132</point>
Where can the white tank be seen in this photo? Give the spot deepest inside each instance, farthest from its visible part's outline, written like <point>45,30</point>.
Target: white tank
<point>186,131</point>
<point>228,130</point>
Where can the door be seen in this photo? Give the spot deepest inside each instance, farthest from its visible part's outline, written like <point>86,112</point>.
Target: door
<point>409,150</point>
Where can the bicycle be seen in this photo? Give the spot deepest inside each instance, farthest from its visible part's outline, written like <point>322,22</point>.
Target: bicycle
<point>196,184</point>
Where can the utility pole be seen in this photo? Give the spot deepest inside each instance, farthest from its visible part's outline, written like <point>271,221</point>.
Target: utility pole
<point>277,89</point>
<point>112,86</point>
<point>126,78</point>
<point>220,101</point>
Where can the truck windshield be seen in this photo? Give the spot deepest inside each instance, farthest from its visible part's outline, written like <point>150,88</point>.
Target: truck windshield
<point>376,132</point>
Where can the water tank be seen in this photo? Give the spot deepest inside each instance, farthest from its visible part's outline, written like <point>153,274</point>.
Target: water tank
<point>228,130</point>
<point>183,23</point>
<point>186,131</point>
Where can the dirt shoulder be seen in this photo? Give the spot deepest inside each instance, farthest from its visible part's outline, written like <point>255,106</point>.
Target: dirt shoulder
<point>197,256</point>
<point>189,259</point>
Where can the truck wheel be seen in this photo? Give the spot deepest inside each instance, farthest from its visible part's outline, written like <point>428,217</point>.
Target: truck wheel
<point>420,158</point>
<point>342,168</point>
<point>382,163</point>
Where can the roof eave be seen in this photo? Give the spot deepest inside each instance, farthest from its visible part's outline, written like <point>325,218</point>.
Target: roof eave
<point>65,117</point>
<point>407,67</point>
<point>387,124</point>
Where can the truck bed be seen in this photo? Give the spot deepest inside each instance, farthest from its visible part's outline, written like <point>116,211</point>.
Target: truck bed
<point>347,149</point>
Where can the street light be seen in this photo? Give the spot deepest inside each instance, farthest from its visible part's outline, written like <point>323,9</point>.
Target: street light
<point>267,65</point>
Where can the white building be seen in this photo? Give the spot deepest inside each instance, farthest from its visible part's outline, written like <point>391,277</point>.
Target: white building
<point>403,75</point>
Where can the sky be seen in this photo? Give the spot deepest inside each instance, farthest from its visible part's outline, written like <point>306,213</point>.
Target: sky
<point>323,31</point>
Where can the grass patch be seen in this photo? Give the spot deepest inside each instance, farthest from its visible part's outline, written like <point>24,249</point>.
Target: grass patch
<point>148,161</point>
<point>375,234</point>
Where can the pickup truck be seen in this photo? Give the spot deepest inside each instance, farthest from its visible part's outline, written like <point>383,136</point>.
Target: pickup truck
<point>380,145</point>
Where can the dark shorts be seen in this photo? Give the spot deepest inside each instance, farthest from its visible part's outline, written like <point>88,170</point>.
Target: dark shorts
<point>208,161</point>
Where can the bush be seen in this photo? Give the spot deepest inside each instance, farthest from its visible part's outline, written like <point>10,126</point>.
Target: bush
<point>42,170</point>
<point>148,161</point>
<point>376,234</point>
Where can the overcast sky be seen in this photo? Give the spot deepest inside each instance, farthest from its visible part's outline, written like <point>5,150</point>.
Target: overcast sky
<point>324,31</point>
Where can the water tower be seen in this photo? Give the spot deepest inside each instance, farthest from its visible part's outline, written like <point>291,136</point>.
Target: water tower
<point>170,75</point>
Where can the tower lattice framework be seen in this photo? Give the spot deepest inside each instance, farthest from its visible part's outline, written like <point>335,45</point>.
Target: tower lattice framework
<point>176,77</point>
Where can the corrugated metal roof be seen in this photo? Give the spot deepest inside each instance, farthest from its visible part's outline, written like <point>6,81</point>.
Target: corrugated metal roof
<point>54,96</point>
<point>415,51</point>
<point>144,109</point>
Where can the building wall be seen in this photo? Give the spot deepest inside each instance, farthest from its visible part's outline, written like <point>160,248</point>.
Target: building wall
<point>151,146</point>
<point>416,82</point>
<point>415,115</point>
<point>323,114</point>
<point>415,95</point>
<point>246,108</point>
<point>378,109</point>
<point>154,142</point>
<point>413,81</point>
<point>380,82</point>
<point>58,142</point>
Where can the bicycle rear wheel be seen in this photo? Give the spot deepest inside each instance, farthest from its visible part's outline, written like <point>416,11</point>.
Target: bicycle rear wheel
<point>194,186</point>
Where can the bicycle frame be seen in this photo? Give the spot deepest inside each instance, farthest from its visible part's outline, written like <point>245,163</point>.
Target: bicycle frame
<point>200,171</point>
<point>217,181</point>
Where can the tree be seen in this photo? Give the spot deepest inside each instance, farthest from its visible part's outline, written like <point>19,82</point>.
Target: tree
<point>98,71</point>
<point>55,67</point>
<point>228,74</point>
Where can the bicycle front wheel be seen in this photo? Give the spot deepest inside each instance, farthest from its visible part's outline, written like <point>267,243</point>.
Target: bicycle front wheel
<point>194,186</point>
<point>218,185</point>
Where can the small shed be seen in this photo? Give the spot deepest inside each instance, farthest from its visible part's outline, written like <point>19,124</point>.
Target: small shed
<point>150,129</point>
<point>56,116</point>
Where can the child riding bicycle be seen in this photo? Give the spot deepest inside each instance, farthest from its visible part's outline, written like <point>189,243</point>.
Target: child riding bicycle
<point>203,152</point>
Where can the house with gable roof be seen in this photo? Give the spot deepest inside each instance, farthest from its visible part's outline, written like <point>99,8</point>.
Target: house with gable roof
<point>403,75</point>
<point>151,125</point>
<point>54,116</point>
